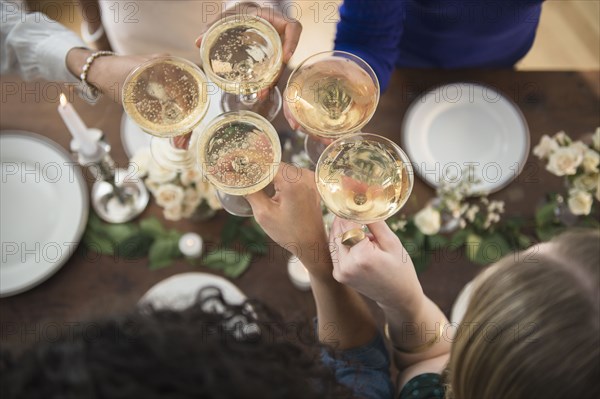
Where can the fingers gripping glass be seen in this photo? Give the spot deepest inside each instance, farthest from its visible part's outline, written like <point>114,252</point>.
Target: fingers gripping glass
<point>364,178</point>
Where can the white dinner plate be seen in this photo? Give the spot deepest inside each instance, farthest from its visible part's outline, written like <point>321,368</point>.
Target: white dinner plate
<point>134,138</point>
<point>43,209</point>
<point>462,124</point>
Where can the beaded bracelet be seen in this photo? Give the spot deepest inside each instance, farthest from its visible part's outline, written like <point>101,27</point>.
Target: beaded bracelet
<point>86,67</point>
<point>416,349</point>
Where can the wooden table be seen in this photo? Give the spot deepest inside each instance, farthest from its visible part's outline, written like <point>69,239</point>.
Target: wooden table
<point>83,289</point>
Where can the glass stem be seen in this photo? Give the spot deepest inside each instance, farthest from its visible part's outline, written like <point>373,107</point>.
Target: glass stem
<point>249,99</point>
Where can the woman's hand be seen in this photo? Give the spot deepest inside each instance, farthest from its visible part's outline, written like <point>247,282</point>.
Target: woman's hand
<point>107,73</point>
<point>378,266</point>
<point>289,29</point>
<point>293,218</point>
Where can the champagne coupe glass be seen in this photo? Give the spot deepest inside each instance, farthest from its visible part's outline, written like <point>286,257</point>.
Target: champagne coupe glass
<point>331,94</point>
<point>239,153</point>
<point>243,55</point>
<point>363,178</point>
<point>167,98</point>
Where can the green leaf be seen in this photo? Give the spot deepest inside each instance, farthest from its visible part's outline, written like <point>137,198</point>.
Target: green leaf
<point>472,243</point>
<point>136,246</point>
<point>151,226</point>
<point>162,252</point>
<point>231,229</point>
<point>98,243</point>
<point>545,215</point>
<point>421,261</point>
<point>491,249</point>
<point>119,232</point>
<point>436,242</point>
<point>235,270</point>
<point>459,238</point>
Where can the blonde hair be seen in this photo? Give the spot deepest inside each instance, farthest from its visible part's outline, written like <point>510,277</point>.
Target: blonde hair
<point>531,329</point>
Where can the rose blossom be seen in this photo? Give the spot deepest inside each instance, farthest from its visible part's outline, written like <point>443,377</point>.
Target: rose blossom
<point>169,195</point>
<point>587,182</point>
<point>580,202</point>
<point>564,161</point>
<point>173,212</point>
<point>428,221</point>
<point>590,162</point>
<point>546,146</point>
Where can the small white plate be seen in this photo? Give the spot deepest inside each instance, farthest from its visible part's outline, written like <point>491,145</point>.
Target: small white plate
<point>180,291</point>
<point>43,209</point>
<point>134,138</point>
<point>462,124</point>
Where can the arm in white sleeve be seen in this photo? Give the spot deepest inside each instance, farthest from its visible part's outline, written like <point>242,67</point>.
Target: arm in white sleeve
<point>33,45</point>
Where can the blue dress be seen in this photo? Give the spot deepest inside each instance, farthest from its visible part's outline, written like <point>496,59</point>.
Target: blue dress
<point>437,33</point>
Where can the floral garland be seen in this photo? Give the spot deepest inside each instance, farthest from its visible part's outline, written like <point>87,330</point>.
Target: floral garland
<point>452,220</point>
<point>180,193</point>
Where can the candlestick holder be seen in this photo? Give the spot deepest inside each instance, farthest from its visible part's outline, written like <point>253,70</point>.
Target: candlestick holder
<point>118,195</point>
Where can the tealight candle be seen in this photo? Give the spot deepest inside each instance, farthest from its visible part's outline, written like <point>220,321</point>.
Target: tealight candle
<point>87,146</point>
<point>298,274</point>
<point>190,245</point>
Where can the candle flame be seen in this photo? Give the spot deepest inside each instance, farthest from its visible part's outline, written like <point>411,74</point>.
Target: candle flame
<point>63,99</point>
<point>189,242</point>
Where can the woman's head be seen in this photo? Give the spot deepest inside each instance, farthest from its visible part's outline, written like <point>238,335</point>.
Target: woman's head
<point>211,350</point>
<point>532,325</point>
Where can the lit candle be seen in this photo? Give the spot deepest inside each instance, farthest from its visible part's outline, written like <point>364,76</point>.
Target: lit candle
<point>87,146</point>
<point>298,274</point>
<point>190,245</point>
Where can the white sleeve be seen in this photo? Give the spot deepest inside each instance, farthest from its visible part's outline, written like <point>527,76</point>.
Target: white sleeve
<point>33,45</point>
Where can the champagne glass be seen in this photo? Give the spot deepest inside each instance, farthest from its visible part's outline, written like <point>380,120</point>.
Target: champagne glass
<point>363,178</point>
<point>239,153</point>
<point>167,98</point>
<point>331,94</point>
<point>243,55</point>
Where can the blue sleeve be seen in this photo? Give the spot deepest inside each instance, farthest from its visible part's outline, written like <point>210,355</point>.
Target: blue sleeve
<point>365,370</point>
<point>372,29</point>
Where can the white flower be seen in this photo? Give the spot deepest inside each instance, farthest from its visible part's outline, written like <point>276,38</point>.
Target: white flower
<point>587,182</point>
<point>491,219</point>
<point>152,185</point>
<point>580,202</point>
<point>173,212</point>
<point>160,174</point>
<point>562,138</point>
<point>169,195</point>
<point>564,161</point>
<point>141,161</point>
<point>471,213</point>
<point>398,225</point>
<point>496,206</point>
<point>428,220</point>
<point>596,139</point>
<point>462,223</point>
<point>189,176</point>
<point>580,147</point>
<point>454,207</point>
<point>590,162</point>
<point>191,198</point>
<point>546,146</point>
<point>188,210</point>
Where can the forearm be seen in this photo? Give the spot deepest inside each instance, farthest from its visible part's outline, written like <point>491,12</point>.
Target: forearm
<point>422,326</point>
<point>372,29</point>
<point>344,319</point>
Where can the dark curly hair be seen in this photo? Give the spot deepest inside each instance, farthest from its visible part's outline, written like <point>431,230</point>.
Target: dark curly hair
<point>210,350</point>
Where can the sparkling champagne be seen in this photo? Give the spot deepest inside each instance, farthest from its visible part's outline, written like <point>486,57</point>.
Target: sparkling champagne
<point>364,178</point>
<point>166,96</point>
<point>333,96</point>
<point>242,54</point>
<point>239,152</point>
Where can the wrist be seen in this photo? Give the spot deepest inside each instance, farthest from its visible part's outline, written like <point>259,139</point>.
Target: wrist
<point>406,308</point>
<point>76,58</point>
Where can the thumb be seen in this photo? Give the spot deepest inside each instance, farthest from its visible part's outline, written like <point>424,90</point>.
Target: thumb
<point>383,235</point>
